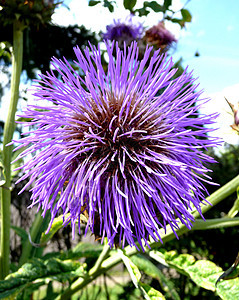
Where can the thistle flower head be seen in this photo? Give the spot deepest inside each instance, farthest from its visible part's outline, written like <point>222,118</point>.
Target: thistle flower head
<point>159,37</point>
<point>124,31</point>
<point>124,147</point>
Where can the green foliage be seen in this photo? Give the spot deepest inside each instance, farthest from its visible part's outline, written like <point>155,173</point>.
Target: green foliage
<point>154,6</point>
<point>86,250</point>
<point>93,3</point>
<point>41,44</point>
<point>129,4</point>
<point>5,50</point>
<point>148,292</point>
<point>56,225</point>
<point>187,17</point>
<point>203,273</point>
<point>20,232</point>
<point>150,269</point>
<point>108,292</point>
<point>105,3</point>
<point>132,269</point>
<point>29,12</point>
<point>39,272</point>
<point>147,7</point>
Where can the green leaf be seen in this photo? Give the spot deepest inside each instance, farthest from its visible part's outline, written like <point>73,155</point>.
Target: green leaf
<point>154,6</point>
<point>16,164</point>
<point>167,3</point>
<point>42,271</point>
<point>142,11</point>
<point>153,271</point>
<point>50,294</point>
<point>56,225</point>
<point>82,249</point>
<point>109,5</point>
<point>150,293</point>
<point>132,268</point>
<point>88,249</point>
<point>20,232</point>
<point>181,22</point>
<point>204,273</point>
<point>179,262</point>
<point>229,289</point>
<point>11,294</point>
<point>93,3</point>
<point>187,17</point>
<point>129,4</point>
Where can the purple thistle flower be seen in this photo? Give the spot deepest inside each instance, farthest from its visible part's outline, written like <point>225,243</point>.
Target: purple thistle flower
<point>124,31</point>
<point>124,147</point>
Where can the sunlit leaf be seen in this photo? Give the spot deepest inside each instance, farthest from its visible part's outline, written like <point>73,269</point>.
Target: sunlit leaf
<point>203,273</point>
<point>150,269</point>
<point>187,17</point>
<point>129,4</point>
<point>132,268</point>
<point>151,293</point>
<point>42,271</point>
<point>154,6</point>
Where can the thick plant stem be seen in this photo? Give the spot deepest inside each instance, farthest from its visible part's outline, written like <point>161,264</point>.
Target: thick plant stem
<point>113,260</point>
<point>27,246</point>
<point>215,223</point>
<point>220,194</point>
<point>7,150</point>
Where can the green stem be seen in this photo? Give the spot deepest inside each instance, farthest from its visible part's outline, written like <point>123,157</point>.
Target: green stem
<point>234,210</point>
<point>215,223</point>
<point>220,194</point>
<point>115,259</point>
<point>9,128</point>
<point>93,273</point>
<point>27,246</point>
<point>100,259</point>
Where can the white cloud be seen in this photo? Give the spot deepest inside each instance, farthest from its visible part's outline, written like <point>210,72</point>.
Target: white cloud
<point>225,119</point>
<point>63,16</point>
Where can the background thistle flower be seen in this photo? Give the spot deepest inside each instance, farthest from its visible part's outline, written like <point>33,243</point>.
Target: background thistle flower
<point>124,31</point>
<point>159,37</point>
<point>124,147</point>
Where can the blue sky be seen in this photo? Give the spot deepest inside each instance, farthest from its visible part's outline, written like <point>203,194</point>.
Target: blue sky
<point>214,33</point>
